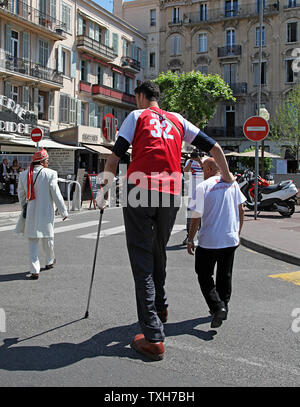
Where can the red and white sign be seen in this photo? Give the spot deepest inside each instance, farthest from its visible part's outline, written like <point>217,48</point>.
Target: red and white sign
<point>256,128</point>
<point>36,134</point>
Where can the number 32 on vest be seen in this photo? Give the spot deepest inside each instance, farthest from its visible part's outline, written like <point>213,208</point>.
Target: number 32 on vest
<point>162,129</point>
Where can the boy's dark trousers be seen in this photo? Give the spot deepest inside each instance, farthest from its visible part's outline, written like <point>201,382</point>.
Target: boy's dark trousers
<point>217,294</point>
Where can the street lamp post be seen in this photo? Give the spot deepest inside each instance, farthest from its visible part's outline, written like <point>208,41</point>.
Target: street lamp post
<point>265,115</point>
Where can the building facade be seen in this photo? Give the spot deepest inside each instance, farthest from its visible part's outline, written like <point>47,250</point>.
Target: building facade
<point>69,64</point>
<point>222,37</point>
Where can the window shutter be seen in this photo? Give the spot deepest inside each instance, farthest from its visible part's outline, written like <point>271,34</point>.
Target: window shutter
<point>78,112</point>
<point>25,97</point>
<point>53,8</point>
<point>72,111</point>
<point>59,59</point>
<point>96,33</point>
<point>51,106</point>
<point>115,42</point>
<point>91,29</point>
<point>25,52</point>
<point>173,46</point>
<point>36,101</point>
<point>91,114</point>
<point>143,62</point>
<point>73,64</point>
<point>7,89</point>
<point>8,38</point>
<point>80,25</point>
<point>107,38</point>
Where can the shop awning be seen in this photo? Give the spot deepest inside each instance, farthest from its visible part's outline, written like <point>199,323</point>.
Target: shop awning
<point>98,149</point>
<point>44,143</point>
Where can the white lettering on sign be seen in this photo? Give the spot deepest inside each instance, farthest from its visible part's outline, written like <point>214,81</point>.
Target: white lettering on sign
<point>13,106</point>
<point>13,127</point>
<point>256,128</point>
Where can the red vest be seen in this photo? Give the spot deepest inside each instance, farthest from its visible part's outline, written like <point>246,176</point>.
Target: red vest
<point>156,152</point>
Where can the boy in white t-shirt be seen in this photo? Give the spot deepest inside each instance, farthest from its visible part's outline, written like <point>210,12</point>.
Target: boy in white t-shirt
<point>220,207</point>
<point>193,167</point>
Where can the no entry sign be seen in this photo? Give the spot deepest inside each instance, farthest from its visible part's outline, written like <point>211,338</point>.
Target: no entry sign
<point>36,134</point>
<point>256,128</point>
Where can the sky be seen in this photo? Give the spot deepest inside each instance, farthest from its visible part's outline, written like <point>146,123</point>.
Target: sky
<point>107,4</point>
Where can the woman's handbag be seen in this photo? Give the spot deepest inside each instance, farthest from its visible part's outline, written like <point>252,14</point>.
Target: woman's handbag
<point>24,210</point>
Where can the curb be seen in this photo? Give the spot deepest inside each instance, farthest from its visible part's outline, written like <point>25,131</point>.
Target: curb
<point>269,251</point>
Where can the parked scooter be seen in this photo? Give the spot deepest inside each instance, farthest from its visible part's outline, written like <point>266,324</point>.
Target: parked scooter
<point>279,197</point>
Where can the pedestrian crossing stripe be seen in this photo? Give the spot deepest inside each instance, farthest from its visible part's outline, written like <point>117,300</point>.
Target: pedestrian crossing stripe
<point>293,277</point>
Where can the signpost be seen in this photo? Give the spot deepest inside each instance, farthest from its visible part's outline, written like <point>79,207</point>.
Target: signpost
<point>256,129</point>
<point>36,136</point>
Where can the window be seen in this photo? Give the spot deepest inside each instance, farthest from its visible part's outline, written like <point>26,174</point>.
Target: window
<point>202,12</point>
<point>15,44</point>
<point>43,52</point>
<point>116,81</point>
<point>64,62</point>
<point>202,42</point>
<point>258,5</point>
<point>66,16</point>
<point>83,113</point>
<point>125,48</point>
<point>231,8</point>
<point>176,45</point>
<point>230,121</point>
<point>203,69</point>
<point>292,35</point>
<point>64,102</point>
<point>230,37</point>
<point>289,73</point>
<point>292,3</point>
<point>152,60</point>
<point>176,15</point>
<point>257,39</point>
<point>153,18</point>
<point>100,75</point>
<point>230,73</point>
<point>263,73</point>
<point>84,71</point>
<point>127,85</point>
<point>14,93</point>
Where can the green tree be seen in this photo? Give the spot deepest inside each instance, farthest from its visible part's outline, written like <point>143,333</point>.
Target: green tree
<point>249,162</point>
<point>285,124</point>
<point>193,94</point>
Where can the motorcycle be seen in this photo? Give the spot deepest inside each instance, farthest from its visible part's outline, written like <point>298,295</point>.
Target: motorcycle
<point>279,197</point>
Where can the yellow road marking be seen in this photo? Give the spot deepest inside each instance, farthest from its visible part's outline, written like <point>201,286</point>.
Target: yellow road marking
<point>293,277</point>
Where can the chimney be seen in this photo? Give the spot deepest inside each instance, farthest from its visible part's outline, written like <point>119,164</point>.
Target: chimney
<point>118,8</point>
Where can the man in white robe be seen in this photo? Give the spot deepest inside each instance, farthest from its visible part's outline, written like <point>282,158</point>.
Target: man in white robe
<point>38,187</point>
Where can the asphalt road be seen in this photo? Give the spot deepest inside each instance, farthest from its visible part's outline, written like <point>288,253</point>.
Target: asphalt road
<point>48,343</point>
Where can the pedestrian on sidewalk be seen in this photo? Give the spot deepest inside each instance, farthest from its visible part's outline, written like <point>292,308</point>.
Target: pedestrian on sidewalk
<point>192,167</point>
<point>219,205</point>
<point>155,175</point>
<point>39,189</point>
<point>4,175</point>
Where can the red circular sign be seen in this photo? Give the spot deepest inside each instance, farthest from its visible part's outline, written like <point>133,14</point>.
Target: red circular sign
<point>36,134</point>
<point>256,128</point>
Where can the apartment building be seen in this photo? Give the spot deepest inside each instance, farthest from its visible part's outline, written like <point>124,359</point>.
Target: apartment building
<point>222,37</point>
<point>69,64</point>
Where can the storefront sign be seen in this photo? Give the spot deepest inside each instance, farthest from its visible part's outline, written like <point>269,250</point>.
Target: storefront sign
<point>62,161</point>
<point>89,135</point>
<point>14,118</point>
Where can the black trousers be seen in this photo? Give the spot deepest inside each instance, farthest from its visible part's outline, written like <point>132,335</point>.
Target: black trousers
<point>148,230</point>
<point>216,293</point>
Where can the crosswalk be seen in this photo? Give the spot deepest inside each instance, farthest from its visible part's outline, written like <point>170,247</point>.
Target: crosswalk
<point>64,227</point>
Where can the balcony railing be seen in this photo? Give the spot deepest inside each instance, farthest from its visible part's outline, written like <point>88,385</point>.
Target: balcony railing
<point>291,4</point>
<point>131,63</point>
<point>113,93</point>
<point>33,69</point>
<point>229,51</point>
<point>95,46</point>
<point>218,14</point>
<point>238,88</point>
<point>28,13</point>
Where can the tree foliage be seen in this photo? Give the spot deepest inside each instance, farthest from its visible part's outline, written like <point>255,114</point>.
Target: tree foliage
<point>193,94</point>
<point>285,124</point>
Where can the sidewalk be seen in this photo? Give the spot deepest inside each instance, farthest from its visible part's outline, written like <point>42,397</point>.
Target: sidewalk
<point>270,233</point>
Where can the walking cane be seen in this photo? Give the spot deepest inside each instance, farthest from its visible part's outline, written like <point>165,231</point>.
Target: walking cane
<point>95,257</point>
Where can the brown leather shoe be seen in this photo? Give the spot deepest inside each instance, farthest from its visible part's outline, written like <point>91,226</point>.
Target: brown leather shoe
<point>50,266</point>
<point>163,315</point>
<point>154,351</point>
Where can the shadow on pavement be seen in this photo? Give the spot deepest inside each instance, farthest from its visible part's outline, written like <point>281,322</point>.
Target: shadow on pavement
<point>111,342</point>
